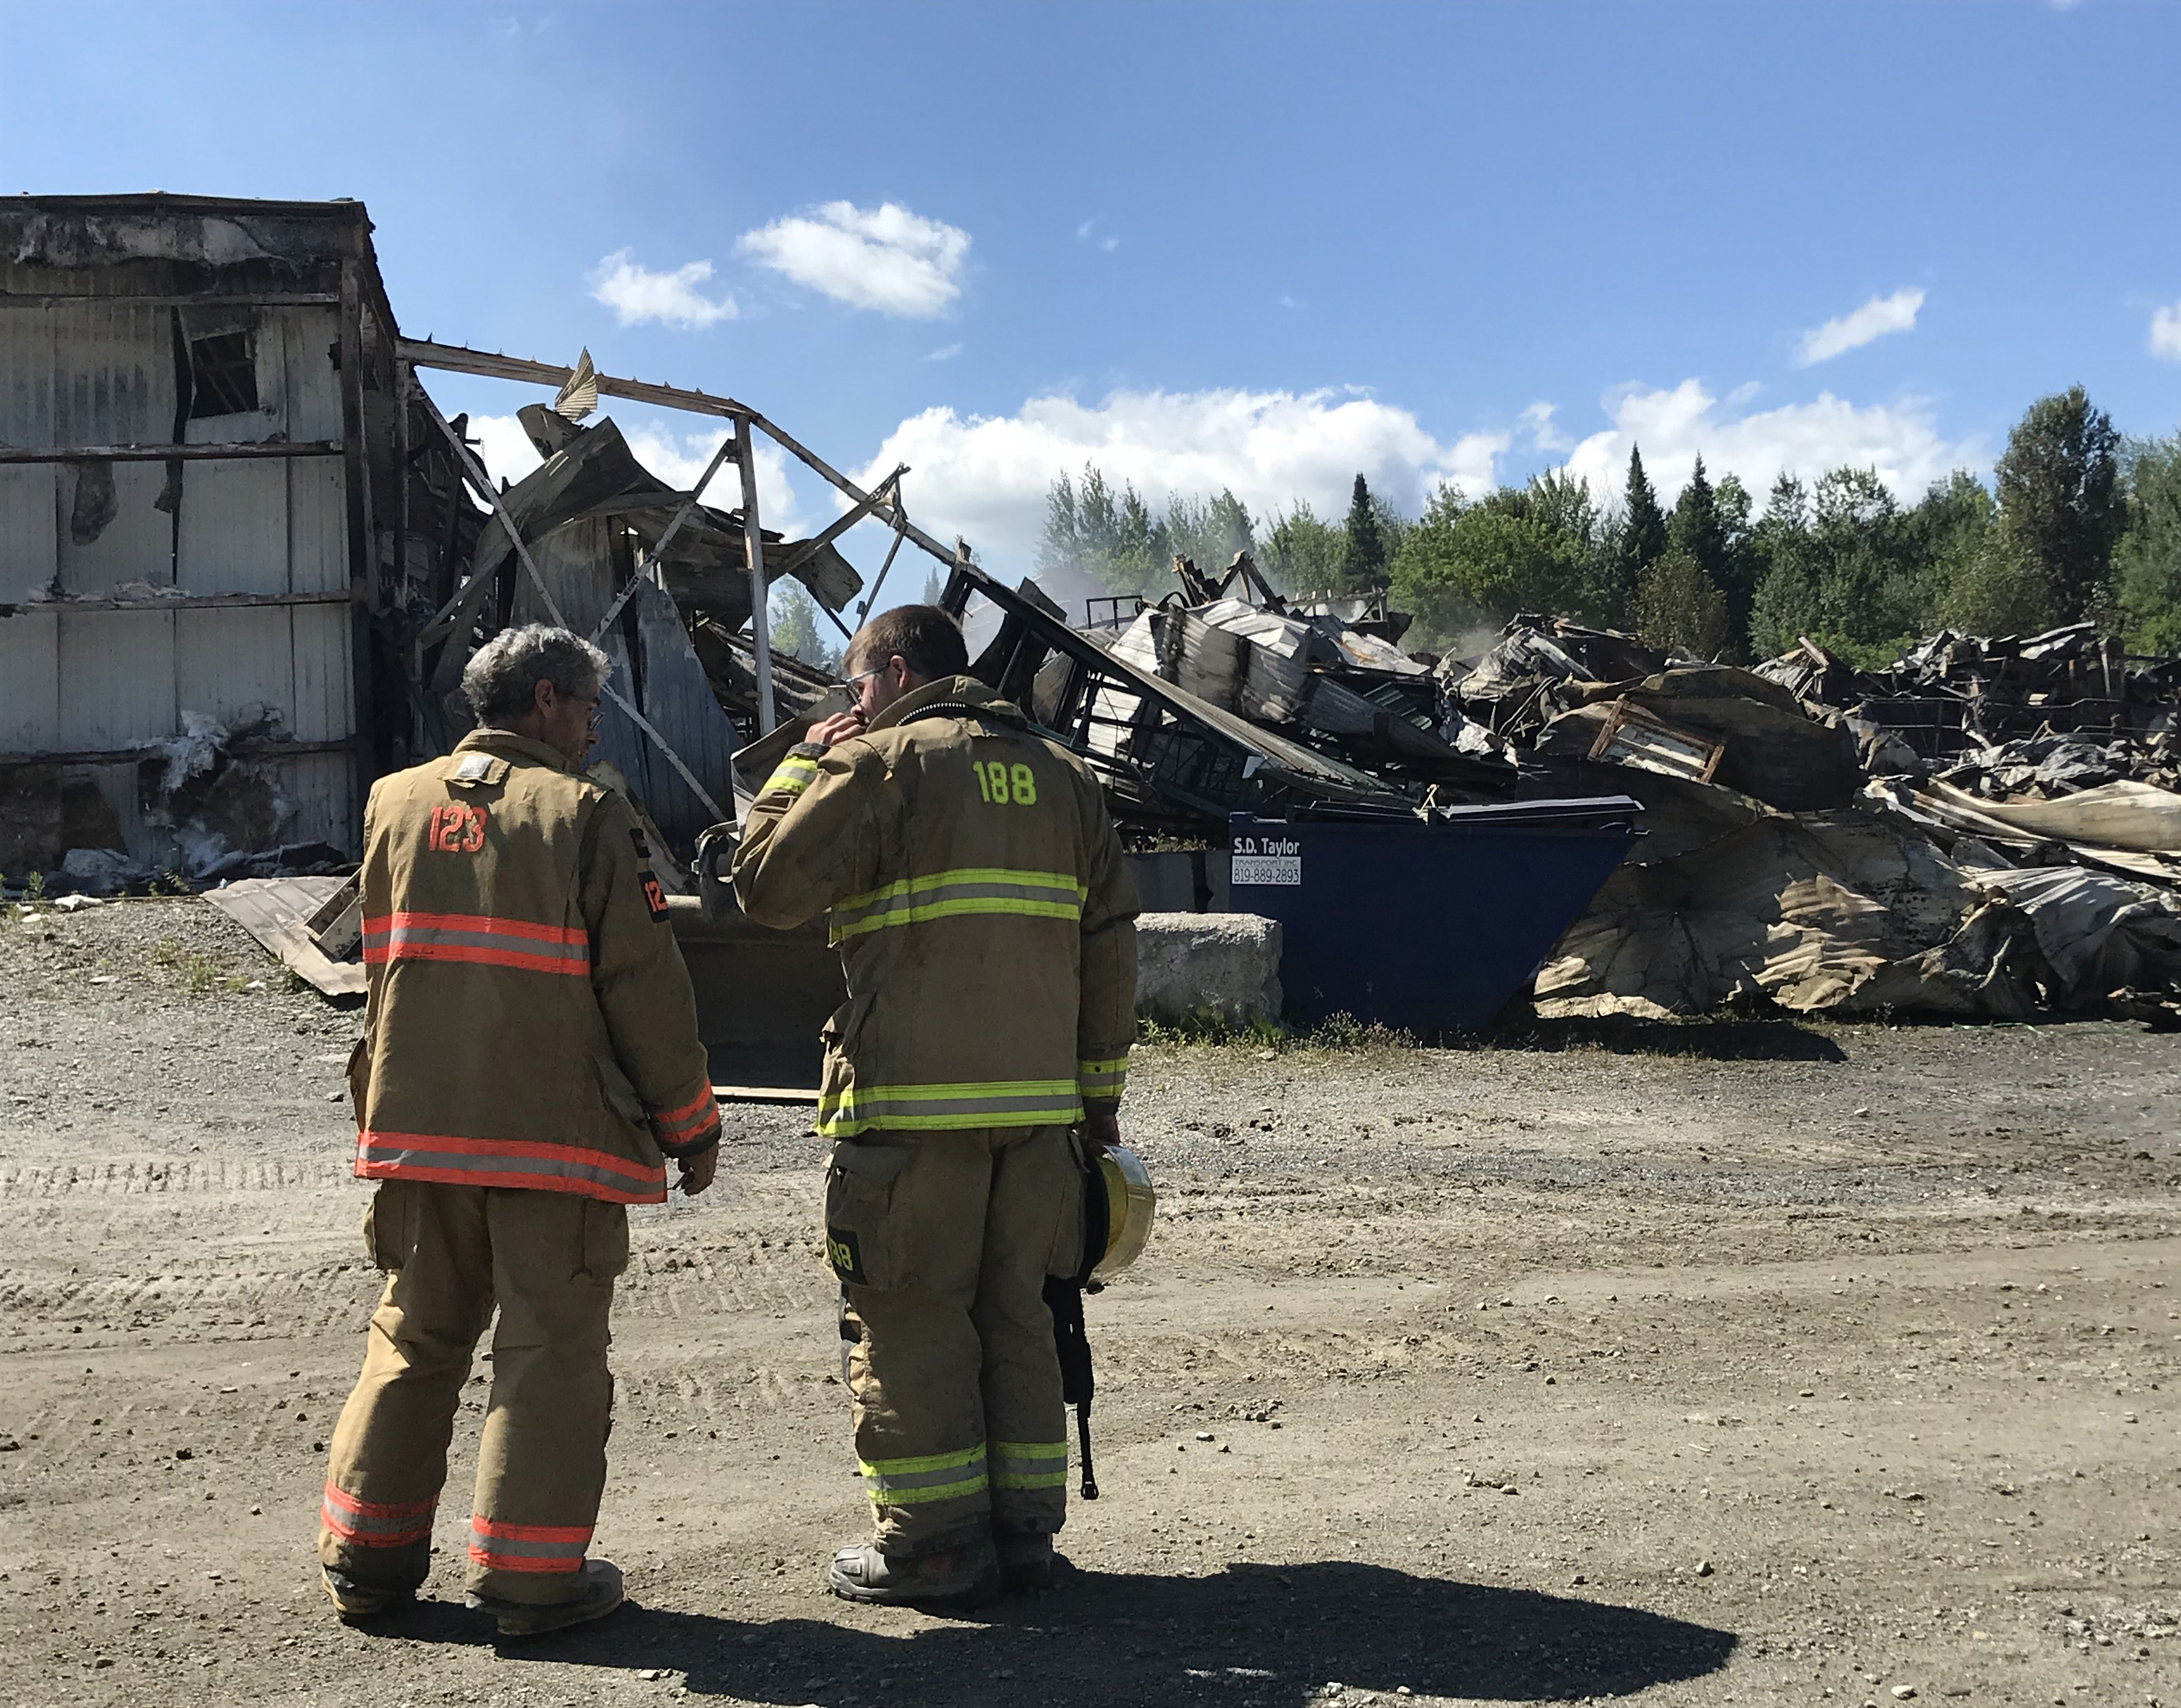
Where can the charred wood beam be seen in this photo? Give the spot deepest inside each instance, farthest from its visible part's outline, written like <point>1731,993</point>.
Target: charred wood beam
<point>841,524</point>
<point>187,601</point>
<point>171,453</point>
<point>457,359</point>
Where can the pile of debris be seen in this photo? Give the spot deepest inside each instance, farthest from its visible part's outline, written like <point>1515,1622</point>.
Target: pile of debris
<point>1988,828</point>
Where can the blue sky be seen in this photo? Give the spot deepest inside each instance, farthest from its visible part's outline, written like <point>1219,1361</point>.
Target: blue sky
<point>1261,245</point>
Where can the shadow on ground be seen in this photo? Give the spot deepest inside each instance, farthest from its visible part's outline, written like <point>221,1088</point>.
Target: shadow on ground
<point>1716,1039</point>
<point>1252,1636</point>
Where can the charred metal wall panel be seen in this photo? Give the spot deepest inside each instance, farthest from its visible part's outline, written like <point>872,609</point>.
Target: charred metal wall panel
<point>88,359</point>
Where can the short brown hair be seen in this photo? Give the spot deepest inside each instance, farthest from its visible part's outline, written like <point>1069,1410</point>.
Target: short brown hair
<point>922,636</point>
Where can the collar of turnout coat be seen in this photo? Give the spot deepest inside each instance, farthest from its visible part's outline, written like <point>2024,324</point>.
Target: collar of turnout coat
<point>509,745</point>
<point>949,693</point>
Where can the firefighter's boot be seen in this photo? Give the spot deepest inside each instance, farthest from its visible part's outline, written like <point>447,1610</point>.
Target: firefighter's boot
<point>1027,1562</point>
<point>598,1593</point>
<point>359,1604</point>
<point>963,1576</point>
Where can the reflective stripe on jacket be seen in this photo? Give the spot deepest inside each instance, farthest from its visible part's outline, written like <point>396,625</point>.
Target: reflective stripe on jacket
<point>973,881</point>
<point>529,1022</point>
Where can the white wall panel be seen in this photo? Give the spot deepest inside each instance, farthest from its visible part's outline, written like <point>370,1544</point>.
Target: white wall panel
<point>324,672</point>
<point>318,524</point>
<point>234,527</point>
<point>26,376</point>
<point>311,397</point>
<point>319,784</point>
<point>28,503</point>
<point>29,682</point>
<point>117,678</point>
<point>228,658</point>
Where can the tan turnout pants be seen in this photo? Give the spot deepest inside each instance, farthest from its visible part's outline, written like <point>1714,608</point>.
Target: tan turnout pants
<point>943,1242</point>
<point>548,1260</point>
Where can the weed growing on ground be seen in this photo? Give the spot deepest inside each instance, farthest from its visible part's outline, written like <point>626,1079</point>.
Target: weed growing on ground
<point>1206,1026</point>
<point>197,971</point>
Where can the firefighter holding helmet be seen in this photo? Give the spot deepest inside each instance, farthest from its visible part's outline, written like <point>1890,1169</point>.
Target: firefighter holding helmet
<point>984,913</point>
<point>530,1059</point>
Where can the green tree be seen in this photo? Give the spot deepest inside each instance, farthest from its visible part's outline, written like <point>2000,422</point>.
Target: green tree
<point>1784,565</point>
<point>1059,542</point>
<point>1207,531</point>
<point>1678,607</point>
<point>1464,565</point>
<point>2060,501</point>
<point>1643,528</point>
<point>2147,562</point>
<point>1301,553</point>
<point>1363,564</point>
<point>794,627</point>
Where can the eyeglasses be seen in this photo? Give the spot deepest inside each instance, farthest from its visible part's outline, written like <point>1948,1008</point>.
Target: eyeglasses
<point>866,675</point>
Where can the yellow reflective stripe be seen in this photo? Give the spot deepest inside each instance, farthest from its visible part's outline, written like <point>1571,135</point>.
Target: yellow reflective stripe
<point>930,1477</point>
<point>1029,1464</point>
<point>792,774</point>
<point>955,892</point>
<point>948,910</point>
<point>941,1491</point>
<point>937,1108</point>
<point>929,1461</point>
<point>969,875</point>
<point>1102,1079</point>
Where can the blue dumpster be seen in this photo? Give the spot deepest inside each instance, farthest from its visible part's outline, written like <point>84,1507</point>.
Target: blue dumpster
<point>1428,925</point>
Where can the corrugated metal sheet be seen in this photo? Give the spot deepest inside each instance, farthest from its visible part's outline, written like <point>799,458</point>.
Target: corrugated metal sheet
<point>104,373</point>
<point>29,682</point>
<point>117,679</point>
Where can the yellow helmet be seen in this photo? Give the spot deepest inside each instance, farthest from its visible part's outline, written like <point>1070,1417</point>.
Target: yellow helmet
<point>1118,1175</point>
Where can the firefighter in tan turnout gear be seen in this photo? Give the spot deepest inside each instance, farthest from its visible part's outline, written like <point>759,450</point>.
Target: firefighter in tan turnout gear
<point>530,1057</point>
<point>986,918</point>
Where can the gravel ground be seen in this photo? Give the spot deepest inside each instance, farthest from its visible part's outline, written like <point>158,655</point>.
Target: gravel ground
<point>1733,1363</point>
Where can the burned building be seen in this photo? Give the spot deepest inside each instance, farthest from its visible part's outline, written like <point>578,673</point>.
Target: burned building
<point>210,498</point>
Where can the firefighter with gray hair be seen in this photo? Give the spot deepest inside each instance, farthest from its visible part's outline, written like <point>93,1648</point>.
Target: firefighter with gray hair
<point>530,1063</point>
<point>973,878</point>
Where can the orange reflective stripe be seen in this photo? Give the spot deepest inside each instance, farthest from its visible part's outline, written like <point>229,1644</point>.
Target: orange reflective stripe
<point>483,939</point>
<point>528,1547</point>
<point>375,1524</point>
<point>542,1167</point>
<point>694,1118</point>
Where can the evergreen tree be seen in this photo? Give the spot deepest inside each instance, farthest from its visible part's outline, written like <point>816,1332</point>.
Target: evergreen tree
<point>2147,565</point>
<point>1644,531</point>
<point>1363,564</point>
<point>2060,500</point>
<point>794,627</point>
<point>1677,607</point>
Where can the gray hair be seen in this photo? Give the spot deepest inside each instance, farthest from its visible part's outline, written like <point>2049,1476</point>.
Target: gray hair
<point>501,679</point>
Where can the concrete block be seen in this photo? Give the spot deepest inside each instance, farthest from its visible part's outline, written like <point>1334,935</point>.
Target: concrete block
<point>1228,963</point>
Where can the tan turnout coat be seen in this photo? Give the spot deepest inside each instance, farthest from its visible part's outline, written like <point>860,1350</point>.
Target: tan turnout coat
<point>983,908</point>
<point>529,1020</point>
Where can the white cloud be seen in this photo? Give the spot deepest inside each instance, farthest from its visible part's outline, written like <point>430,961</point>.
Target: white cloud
<point>1874,319</point>
<point>1675,427</point>
<point>676,458</point>
<point>1536,423</point>
<point>885,258</point>
<point>2165,333</point>
<point>946,352</point>
<point>986,477</point>
<point>1087,233</point>
<point>635,294</point>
